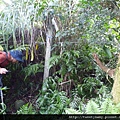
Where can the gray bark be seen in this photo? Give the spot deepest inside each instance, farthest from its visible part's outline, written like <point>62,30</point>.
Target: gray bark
<point>49,34</point>
<point>48,54</point>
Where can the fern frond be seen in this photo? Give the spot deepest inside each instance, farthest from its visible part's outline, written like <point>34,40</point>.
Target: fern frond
<point>92,108</point>
<point>107,106</point>
<point>26,109</point>
<point>71,111</point>
<point>53,60</point>
<point>75,103</point>
<point>63,98</point>
<point>32,69</point>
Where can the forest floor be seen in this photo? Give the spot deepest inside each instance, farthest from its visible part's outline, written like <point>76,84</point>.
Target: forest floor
<point>25,91</point>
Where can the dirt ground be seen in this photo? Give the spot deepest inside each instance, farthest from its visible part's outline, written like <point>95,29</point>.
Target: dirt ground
<point>22,90</point>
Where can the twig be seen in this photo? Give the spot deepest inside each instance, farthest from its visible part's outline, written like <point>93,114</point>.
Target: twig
<point>64,82</point>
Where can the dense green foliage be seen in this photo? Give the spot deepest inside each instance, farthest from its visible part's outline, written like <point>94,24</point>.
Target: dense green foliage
<point>76,85</point>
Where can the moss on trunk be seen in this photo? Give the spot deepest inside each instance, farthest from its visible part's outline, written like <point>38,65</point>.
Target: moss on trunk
<point>116,85</point>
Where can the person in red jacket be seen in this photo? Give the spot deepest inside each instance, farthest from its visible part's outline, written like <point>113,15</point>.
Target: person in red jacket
<point>12,56</point>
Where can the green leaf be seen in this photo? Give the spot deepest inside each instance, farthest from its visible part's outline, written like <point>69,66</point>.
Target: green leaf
<point>107,51</point>
<point>92,108</point>
<point>106,107</point>
<point>71,111</point>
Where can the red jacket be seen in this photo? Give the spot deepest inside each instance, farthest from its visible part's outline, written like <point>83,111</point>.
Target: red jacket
<point>3,59</point>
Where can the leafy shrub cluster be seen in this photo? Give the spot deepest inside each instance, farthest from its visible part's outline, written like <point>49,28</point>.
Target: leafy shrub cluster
<point>106,107</point>
<point>78,66</point>
<point>88,26</point>
<point>50,100</point>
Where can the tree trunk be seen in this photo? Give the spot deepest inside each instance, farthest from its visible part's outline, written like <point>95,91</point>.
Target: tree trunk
<point>116,85</point>
<point>47,56</point>
<point>49,34</point>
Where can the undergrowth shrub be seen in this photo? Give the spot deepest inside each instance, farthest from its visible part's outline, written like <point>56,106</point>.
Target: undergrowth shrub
<point>106,107</point>
<point>89,87</point>
<point>32,69</point>
<point>98,95</point>
<point>76,61</point>
<point>26,109</point>
<point>50,100</point>
<point>102,103</point>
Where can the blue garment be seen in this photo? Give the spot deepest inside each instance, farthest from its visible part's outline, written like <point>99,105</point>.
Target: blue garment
<point>17,54</point>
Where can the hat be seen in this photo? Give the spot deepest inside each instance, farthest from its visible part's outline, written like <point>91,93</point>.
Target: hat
<point>17,54</point>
